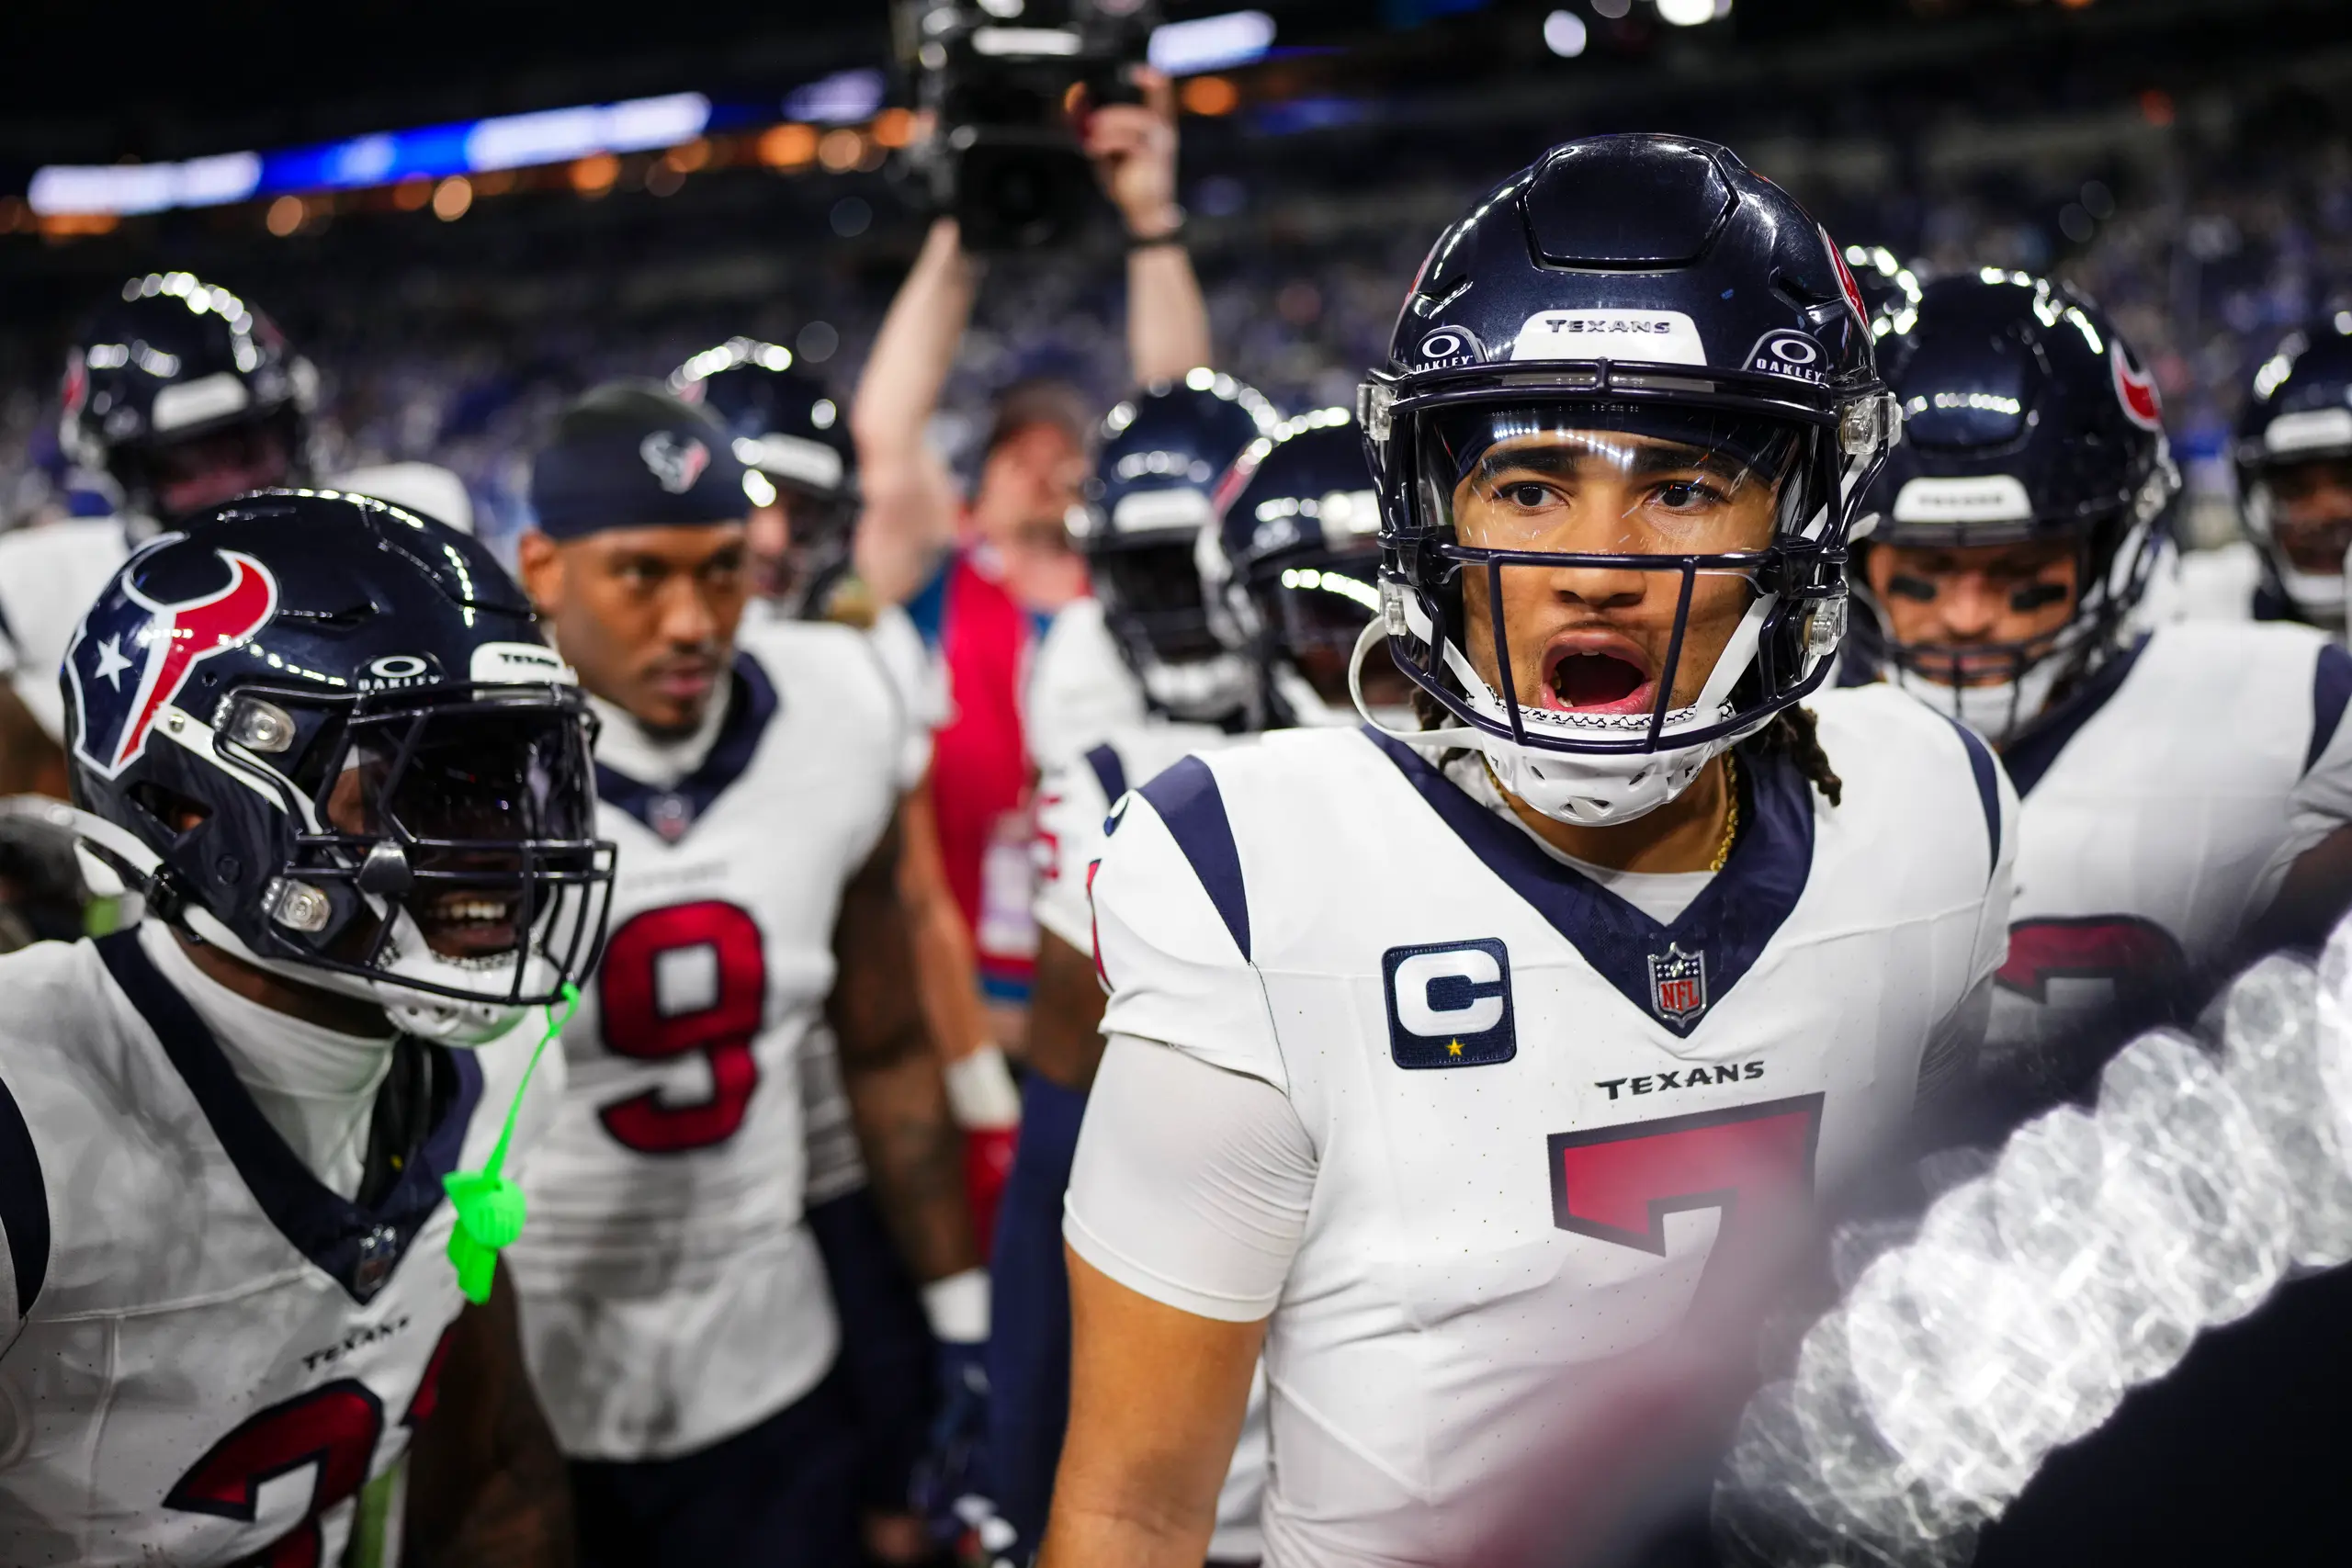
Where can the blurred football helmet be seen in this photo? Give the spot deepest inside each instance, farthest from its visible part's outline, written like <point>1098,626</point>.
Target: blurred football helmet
<point>2294,466</point>
<point>324,735</point>
<point>1292,576</point>
<point>1148,515</point>
<point>1639,310</point>
<point>2026,416</point>
<point>791,433</point>
<point>186,395</point>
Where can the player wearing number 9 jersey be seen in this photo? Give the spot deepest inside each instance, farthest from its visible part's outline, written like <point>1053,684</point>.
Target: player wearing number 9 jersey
<point>2170,778</point>
<point>711,1307</point>
<point>325,741</point>
<point>1439,1059</point>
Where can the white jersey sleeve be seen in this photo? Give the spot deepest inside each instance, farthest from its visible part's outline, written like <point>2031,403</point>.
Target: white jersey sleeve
<point>1078,689</point>
<point>1169,920</point>
<point>2321,801</point>
<point>49,577</point>
<point>1072,802</point>
<point>916,675</point>
<point>1190,1185</point>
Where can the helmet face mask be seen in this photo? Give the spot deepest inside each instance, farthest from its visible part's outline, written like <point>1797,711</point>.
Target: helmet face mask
<point>1148,515</point>
<point>357,765</point>
<point>1628,403</point>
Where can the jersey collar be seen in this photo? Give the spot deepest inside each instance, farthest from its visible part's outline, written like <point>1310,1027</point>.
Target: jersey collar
<point>1714,942</point>
<point>673,812</point>
<point>357,1246</point>
<point>2032,753</point>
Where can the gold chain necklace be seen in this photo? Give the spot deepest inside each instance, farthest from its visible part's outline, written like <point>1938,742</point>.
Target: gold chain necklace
<point>1730,811</point>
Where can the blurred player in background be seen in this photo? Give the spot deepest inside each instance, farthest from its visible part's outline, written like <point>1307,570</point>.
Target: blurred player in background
<point>704,1186</point>
<point>792,436</point>
<point>1624,921</point>
<point>1287,590</point>
<point>1139,645</point>
<point>2294,470</point>
<point>366,858</point>
<point>184,394</point>
<point>2168,778</point>
<point>983,579</point>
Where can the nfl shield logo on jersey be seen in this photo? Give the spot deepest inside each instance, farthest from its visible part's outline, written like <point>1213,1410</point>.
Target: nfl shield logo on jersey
<point>1677,986</point>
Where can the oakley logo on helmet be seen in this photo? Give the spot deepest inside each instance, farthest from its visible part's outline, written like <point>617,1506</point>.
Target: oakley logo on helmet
<point>1667,337</point>
<point>675,465</point>
<point>1789,354</point>
<point>134,654</point>
<point>397,670</point>
<point>1449,1004</point>
<point>1450,346</point>
<point>2135,390</point>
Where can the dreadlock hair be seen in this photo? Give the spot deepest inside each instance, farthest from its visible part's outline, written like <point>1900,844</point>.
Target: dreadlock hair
<point>1795,733</point>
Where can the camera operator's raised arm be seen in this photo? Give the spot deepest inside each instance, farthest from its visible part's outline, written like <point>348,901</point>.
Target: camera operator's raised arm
<point>1133,149</point>
<point>909,513</point>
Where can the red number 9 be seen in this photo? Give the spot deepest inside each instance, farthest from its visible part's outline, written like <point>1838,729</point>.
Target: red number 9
<point>713,942</point>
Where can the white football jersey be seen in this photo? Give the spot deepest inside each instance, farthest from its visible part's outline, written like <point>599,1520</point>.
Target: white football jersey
<point>49,576</point>
<point>1074,804</point>
<point>1074,800</point>
<point>2161,807</point>
<point>1080,688</point>
<point>673,1293</point>
<point>1528,1100</point>
<point>213,1352</point>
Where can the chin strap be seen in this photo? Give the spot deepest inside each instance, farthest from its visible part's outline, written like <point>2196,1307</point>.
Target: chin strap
<point>489,1204</point>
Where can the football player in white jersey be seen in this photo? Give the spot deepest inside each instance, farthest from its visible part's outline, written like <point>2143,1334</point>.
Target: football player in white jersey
<point>1287,573</point>
<point>2294,469</point>
<point>2168,778</point>
<point>185,394</point>
<point>1437,1059</point>
<point>711,1305</point>
<point>1139,645</point>
<point>789,430</point>
<point>326,741</point>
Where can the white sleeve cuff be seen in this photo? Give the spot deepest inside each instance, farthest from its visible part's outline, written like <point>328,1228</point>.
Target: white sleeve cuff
<point>1190,1183</point>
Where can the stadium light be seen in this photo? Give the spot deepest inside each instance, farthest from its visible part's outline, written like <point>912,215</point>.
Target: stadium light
<point>837,99</point>
<point>1564,34</point>
<point>432,153</point>
<point>1685,13</point>
<point>1211,43</point>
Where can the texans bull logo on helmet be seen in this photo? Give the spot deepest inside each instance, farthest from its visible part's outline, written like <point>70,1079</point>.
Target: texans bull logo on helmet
<point>2135,389</point>
<point>134,652</point>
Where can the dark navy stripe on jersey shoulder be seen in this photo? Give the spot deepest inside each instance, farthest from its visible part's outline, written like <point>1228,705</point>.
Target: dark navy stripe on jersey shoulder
<point>2031,754</point>
<point>1989,787</point>
<point>24,1203</point>
<point>1109,771</point>
<point>2331,688</point>
<point>357,1244</point>
<point>1186,799</point>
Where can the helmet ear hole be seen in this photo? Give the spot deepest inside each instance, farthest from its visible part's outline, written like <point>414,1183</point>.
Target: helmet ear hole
<point>176,813</point>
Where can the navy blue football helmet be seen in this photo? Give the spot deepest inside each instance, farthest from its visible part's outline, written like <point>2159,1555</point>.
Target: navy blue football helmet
<point>186,395</point>
<point>1294,577</point>
<point>792,434</point>
<point>2294,466</point>
<point>1641,309</point>
<point>2026,416</point>
<point>324,735</point>
<point>1889,290</point>
<point>1150,508</point>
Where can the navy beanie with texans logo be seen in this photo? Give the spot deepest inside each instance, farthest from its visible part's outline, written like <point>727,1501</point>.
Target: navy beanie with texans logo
<point>629,455</point>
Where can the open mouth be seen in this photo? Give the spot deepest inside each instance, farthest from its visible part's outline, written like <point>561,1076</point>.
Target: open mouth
<point>470,923</point>
<point>1584,672</point>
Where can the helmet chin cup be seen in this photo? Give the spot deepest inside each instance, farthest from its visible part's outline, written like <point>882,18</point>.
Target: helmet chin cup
<point>1585,789</point>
